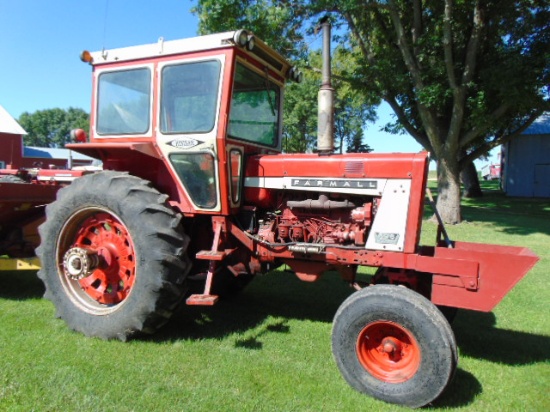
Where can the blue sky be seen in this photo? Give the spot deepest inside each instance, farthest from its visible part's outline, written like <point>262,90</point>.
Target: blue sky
<point>40,43</point>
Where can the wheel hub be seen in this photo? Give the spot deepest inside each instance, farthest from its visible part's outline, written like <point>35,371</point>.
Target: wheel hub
<point>99,263</point>
<point>79,263</point>
<point>388,351</point>
<point>390,346</point>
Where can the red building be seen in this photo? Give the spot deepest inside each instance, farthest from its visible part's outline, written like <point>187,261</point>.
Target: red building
<point>13,155</point>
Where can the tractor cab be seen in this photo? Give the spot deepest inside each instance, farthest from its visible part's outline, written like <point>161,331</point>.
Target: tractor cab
<point>185,113</point>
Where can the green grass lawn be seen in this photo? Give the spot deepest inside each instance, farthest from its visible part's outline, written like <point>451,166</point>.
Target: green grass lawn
<point>269,348</point>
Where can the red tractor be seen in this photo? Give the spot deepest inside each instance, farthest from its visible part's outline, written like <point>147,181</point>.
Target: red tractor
<point>196,190</point>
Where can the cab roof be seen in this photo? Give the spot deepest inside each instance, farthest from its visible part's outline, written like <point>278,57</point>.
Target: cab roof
<point>260,50</point>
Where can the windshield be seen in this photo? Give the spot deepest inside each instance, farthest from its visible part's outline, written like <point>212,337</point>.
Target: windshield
<point>124,101</point>
<point>254,108</point>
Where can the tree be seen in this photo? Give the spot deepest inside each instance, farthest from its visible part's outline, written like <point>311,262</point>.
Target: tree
<point>462,77</point>
<point>52,127</point>
<point>300,115</point>
<point>352,109</point>
<point>351,112</point>
<point>470,181</point>
<point>274,22</point>
<point>281,27</point>
<point>356,144</point>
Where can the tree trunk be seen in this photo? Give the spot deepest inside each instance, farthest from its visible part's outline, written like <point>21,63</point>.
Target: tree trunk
<point>470,180</point>
<point>448,186</point>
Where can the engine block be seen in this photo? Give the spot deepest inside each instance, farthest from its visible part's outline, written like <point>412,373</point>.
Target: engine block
<point>322,221</point>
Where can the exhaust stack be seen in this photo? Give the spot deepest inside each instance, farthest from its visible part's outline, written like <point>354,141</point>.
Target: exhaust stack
<point>325,125</point>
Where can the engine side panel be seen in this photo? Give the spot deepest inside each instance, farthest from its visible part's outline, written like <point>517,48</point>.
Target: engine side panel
<point>385,185</point>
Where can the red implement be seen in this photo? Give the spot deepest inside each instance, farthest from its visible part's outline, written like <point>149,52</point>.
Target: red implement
<point>500,268</point>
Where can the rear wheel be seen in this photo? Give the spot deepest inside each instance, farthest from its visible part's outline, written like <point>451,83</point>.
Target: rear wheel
<point>113,256</point>
<point>393,344</point>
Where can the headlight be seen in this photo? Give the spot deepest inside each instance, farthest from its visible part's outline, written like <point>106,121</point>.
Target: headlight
<point>241,38</point>
<point>251,43</point>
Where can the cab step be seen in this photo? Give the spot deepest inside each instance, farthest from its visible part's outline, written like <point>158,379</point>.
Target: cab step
<point>213,254</point>
<point>202,300</point>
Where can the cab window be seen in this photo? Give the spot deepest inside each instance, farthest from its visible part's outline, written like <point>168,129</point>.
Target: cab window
<point>189,96</point>
<point>197,172</point>
<point>235,166</point>
<point>254,115</point>
<point>124,101</point>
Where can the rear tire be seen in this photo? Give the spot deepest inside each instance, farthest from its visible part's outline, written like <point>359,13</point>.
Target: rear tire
<point>137,275</point>
<point>393,344</point>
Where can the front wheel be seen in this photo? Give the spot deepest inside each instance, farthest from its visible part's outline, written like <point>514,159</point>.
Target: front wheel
<point>393,344</point>
<point>113,256</point>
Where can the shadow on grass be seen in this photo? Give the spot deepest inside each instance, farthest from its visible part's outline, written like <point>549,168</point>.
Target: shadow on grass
<point>479,338</point>
<point>265,304</point>
<point>511,221</point>
<point>254,342</point>
<point>271,300</point>
<point>514,215</point>
<point>462,391</point>
<point>20,285</point>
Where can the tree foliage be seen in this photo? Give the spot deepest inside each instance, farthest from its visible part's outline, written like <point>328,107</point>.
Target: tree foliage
<point>351,111</point>
<point>274,22</point>
<point>283,28</point>
<point>52,127</point>
<point>461,76</point>
<point>300,115</point>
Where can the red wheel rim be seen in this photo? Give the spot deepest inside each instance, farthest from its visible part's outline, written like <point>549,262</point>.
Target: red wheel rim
<point>388,351</point>
<point>112,280</point>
